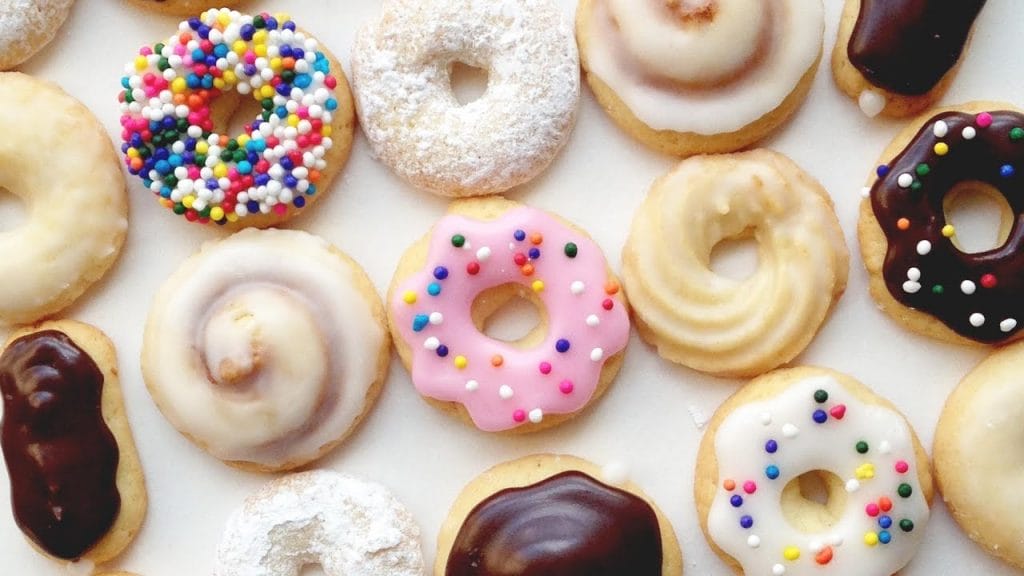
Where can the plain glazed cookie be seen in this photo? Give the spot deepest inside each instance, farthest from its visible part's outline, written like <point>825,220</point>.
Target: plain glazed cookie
<point>695,76</point>
<point>549,514</point>
<point>266,348</point>
<point>791,435</point>
<point>897,57</point>
<point>480,256</point>
<point>401,74</point>
<point>919,274</point>
<point>26,26</point>
<point>347,526</point>
<point>73,231</point>
<point>714,323</point>
<point>183,7</point>
<point>178,95</point>
<point>77,489</point>
<point>977,456</point>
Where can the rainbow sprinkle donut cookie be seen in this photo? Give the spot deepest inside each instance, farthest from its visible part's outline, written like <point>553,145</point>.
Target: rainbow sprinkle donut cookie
<point>183,7</point>
<point>920,275</point>
<point>485,253</point>
<point>789,434</point>
<point>178,96</point>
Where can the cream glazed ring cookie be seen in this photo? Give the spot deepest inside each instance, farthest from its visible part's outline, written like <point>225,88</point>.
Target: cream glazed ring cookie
<point>178,95</point>
<point>976,452</point>
<point>183,7</point>
<point>698,76</point>
<point>717,324</point>
<point>484,253</point>
<point>26,26</point>
<point>350,527</point>
<point>266,349</point>
<point>555,514</point>
<point>73,231</point>
<point>897,57</point>
<point>401,67</point>
<point>791,431</point>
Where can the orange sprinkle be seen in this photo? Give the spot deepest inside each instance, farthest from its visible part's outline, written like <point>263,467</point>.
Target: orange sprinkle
<point>824,556</point>
<point>178,99</point>
<point>527,269</point>
<point>224,140</point>
<point>184,37</point>
<point>497,360</point>
<point>536,238</point>
<point>288,63</point>
<point>194,101</point>
<point>314,176</point>
<point>903,223</point>
<point>729,485</point>
<point>611,287</point>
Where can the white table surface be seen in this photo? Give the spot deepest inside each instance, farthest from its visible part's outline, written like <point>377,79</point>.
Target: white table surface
<point>648,420</point>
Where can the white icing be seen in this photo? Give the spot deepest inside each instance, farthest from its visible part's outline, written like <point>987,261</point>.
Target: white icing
<point>742,456</point>
<point>792,43</point>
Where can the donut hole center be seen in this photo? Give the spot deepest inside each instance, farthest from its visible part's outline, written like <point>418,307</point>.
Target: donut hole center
<point>736,257</point>
<point>13,211</point>
<point>232,112</point>
<point>980,215</point>
<point>814,501</point>
<point>510,313</point>
<point>468,82</point>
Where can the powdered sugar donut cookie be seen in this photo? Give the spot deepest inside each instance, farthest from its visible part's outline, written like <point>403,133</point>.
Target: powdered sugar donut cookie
<point>28,25</point>
<point>698,76</point>
<point>791,432</point>
<point>350,527</point>
<point>484,253</point>
<point>401,66</point>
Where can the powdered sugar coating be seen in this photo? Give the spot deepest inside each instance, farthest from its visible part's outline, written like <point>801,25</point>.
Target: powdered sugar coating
<point>28,25</point>
<point>349,526</point>
<point>401,66</point>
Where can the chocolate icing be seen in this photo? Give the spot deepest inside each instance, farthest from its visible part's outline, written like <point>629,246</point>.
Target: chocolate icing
<point>566,525</point>
<point>61,457</point>
<point>907,46</point>
<point>995,156</point>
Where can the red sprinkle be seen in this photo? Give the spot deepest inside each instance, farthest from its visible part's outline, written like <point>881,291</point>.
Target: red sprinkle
<point>838,412</point>
<point>519,415</point>
<point>608,304</point>
<point>885,504</point>
<point>988,281</point>
<point>902,467</point>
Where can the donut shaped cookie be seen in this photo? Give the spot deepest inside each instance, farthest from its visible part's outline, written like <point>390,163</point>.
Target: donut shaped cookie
<point>548,514</point>
<point>26,26</point>
<point>350,527</point>
<point>717,324</point>
<point>401,73</point>
<point>976,452</point>
<point>483,254</point>
<point>897,57</point>
<point>266,348</point>
<point>177,97</point>
<point>183,7</point>
<point>77,489</point>
<point>784,433</point>
<point>73,231</point>
<point>687,77</point>
<point>919,274</point>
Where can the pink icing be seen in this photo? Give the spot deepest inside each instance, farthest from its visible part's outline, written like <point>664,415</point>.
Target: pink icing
<point>542,380</point>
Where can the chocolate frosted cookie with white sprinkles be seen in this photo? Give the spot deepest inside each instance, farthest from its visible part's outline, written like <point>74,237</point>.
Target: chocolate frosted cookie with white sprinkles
<point>920,273</point>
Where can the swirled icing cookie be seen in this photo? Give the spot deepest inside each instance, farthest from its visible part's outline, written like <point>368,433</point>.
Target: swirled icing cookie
<point>267,348</point>
<point>697,76</point>
<point>920,275</point>
<point>790,430</point>
<point>897,57</point>
<point>717,324</point>
<point>549,514</point>
<point>483,254</point>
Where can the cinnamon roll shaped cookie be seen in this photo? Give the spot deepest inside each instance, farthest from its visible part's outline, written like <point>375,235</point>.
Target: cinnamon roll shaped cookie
<point>266,349</point>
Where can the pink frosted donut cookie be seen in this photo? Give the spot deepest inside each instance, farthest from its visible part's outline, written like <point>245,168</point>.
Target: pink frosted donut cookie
<point>484,253</point>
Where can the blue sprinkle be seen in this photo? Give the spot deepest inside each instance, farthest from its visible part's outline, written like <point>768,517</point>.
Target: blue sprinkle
<point>562,345</point>
<point>440,272</point>
<point>247,32</point>
<point>299,201</point>
<point>1007,171</point>
<point>884,537</point>
<point>534,253</point>
<point>331,104</point>
<point>261,179</point>
<point>253,206</point>
<point>303,80</point>
<point>204,32</point>
<point>271,23</point>
<point>419,322</point>
<point>772,471</point>
<point>250,69</point>
<point>882,171</point>
<point>519,235</point>
<point>175,160</point>
<point>312,190</point>
<point>289,25</point>
<point>442,350</point>
<point>285,89</point>
<point>885,521</point>
<point>163,167</point>
<point>194,23</point>
<point>736,501</point>
<point>244,167</point>
<point>165,192</point>
<point>746,521</point>
<point>124,83</point>
<point>291,181</point>
<point>198,55</point>
<point>820,416</point>
<point>434,289</point>
<point>220,50</point>
<point>771,446</point>
<point>287,163</point>
<point>285,51</point>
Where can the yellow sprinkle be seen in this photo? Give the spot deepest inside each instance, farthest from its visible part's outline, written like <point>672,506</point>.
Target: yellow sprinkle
<point>230,78</point>
<point>239,47</point>
<point>188,200</point>
<point>178,85</point>
<point>537,285</point>
<point>791,553</point>
<point>166,202</point>
<point>325,131</point>
<point>267,91</point>
<point>461,362</point>
<point>232,217</point>
<point>293,120</point>
<point>260,37</point>
<point>948,231</point>
<point>132,153</point>
<point>217,213</point>
<point>243,139</point>
<point>941,148</point>
<point>275,64</point>
<point>409,297</point>
<point>282,17</point>
<point>260,49</point>
<point>865,471</point>
<point>141,63</point>
<point>202,147</point>
<point>224,18</point>
<point>220,170</point>
<point>870,538</point>
<point>218,83</point>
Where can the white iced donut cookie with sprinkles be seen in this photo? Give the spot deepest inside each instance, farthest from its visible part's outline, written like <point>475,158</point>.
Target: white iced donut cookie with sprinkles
<point>401,73</point>
<point>789,434</point>
<point>484,253</point>
<point>26,26</point>
<point>57,159</point>
<point>347,526</point>
<point>266,348</point>
<point>178,95</point>
<point>698,76</point>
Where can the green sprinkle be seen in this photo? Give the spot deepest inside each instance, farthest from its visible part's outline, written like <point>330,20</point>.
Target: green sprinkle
<point>906,525</point>
<point>571,250</point>
<point>862,447</point>
<point>905,490</point>
<point>916,186</point>
<point>820,396</point>
<point>179,208</point>
<point>1017,134</point>
<point>938,289</point>
<point>923,169</point>
<point>458,240</point>
<point>259,22</point>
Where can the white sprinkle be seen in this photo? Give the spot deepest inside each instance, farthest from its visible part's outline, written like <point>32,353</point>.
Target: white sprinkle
<point>593,320</point>
<point>884,447</point>
<point>431,343</point>
<point>436,318</point>
<point>1008,324</point>
<point>766,418</point>
<point>483,254</point>
<point>789,430</point>
<point>753,541</point>
<point>816,546</point>
<point>969,133</point>
<point>836,540</point>
<point>536,415</point>
<point>968,287</point>
<point>977,320</point>
<point>852,485</point>
<point>506,391</point>
<point>905,180</point>
<point>865,192</point>
<point>778,570</point>
<point>940,129</point>
<point>596,354</point>
<point>911,287</point>
<point>577,287</point>
<point>615,472</point>
<point>467,246</point>
<point>914,274</point>
<point>472,386</point>
<point>924,247</point>
<point>871,103</point>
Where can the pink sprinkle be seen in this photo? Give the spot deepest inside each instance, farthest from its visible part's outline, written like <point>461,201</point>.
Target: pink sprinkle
<point>902,467</point>
<point>545,368</point>
<point>871,509</point>
<point>187,61</point>
<point>566,386</point>
<point>280,208</point>
<point>146,51</point>
<point>331,82</point>
<point>302,112</point>
<point>519,415</point>
<point>749,487</point>
<point>250,57</point>
<point>179,50</point>
<point>984,120</point>
<point>193,172</point>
